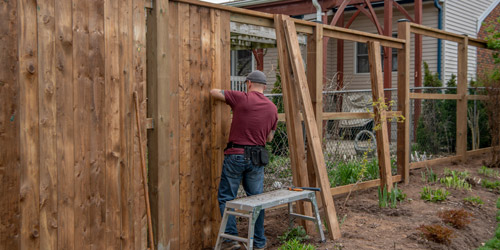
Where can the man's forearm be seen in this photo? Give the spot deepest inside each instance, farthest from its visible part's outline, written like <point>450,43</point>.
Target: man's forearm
<point>218,94</point>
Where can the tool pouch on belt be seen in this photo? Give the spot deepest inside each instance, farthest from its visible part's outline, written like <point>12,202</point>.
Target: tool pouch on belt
<point>257,154</point>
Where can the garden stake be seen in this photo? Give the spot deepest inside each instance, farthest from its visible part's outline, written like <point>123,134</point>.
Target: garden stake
<point>144,180</point>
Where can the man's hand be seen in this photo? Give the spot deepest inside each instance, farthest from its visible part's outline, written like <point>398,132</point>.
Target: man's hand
<point>218,94</point>
<point>270,136</point>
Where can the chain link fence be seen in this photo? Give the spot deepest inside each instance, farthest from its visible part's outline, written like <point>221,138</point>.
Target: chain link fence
<point>349,146</point>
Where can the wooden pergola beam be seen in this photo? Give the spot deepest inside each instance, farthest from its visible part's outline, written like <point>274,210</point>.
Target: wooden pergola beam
<point>339,12</point>
<point>402,10</point>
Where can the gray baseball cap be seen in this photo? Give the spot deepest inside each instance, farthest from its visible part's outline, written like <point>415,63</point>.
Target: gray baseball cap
<point>257,76</point>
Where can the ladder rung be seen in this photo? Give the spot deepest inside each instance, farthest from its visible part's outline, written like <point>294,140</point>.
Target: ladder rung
<point>304,217</point>
<point>238,214</point>
<point>232,237</point>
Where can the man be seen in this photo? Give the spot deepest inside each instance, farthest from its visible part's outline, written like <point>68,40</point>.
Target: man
<point>254,122</point>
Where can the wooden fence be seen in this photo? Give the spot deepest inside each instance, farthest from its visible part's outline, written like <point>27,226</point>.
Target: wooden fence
<point>70,167</point>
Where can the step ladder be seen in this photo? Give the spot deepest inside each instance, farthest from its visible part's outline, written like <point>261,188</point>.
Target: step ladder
<point>250,207</point>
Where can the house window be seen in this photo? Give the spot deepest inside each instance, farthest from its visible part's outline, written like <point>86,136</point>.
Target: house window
<point>242,62</point>
<point>362,64</point>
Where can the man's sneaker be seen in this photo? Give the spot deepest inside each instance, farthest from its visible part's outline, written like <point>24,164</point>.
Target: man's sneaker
<point>231,245</point>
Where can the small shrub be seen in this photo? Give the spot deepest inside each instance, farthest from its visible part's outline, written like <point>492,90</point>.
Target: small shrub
<point>436,233</point>
<point>491,184</point>
<point>475,201</point>
<point>428,194</point>
<point>457,218</point>
<point>488,172</point>
<point>455,179</point>
<point>296,233</point>
<point>295,244</point>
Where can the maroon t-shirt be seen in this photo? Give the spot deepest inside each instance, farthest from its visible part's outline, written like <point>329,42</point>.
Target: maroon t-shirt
<point>254,116</point>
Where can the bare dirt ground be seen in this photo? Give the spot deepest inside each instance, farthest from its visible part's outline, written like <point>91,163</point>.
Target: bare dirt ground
<point>366,226</point>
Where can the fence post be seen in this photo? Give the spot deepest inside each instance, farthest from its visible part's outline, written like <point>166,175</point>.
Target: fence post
<point>384,158</point>
<point>403,141</point>
<point>462,101</point>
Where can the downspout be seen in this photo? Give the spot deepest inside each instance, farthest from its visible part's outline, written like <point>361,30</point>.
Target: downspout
<point>440,26</point>
<point>318,11</point>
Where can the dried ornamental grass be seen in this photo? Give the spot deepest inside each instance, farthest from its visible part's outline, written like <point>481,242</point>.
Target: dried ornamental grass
<point>436,233</point>
<point>457,218</point>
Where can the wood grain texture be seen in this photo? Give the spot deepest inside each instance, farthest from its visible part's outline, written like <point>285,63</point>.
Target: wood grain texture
<point>29,136</point>
<point>462,101</point>
<point>403,128</point>
<point>82,98</point>
<point>47,106</point>
<point>293,122</point>
<point>382,134</point>
<point>65,126</point>
<point>139,78</point>
<point>97,125</point>
<point>314,141</point>
<point>112,117</point>
<point>9,127</point>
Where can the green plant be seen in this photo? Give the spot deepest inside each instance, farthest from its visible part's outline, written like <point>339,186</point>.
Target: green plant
<point>436,233</point>
<point>297,233</point>
<point>390,198</point>
<point>428,194</point>
<point>457,218</point>
<point>428,175</point>
<point>475,201</point>
<point>494,243</point>
<point>455,179</point>
<point>493,185</point>
<point>295,244</point>
<point>488,172</point>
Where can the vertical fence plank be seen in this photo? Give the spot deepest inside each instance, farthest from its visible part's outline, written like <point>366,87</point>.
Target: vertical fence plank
<point>382,134</point>
<point>112,114</point>
<point>126,107</point>
<point>139,70</point>
<point>82,96</point>
<point>97,186</point>
<point>47,104</point>
<point>462,102</point>
<point>9,125</point>
<point>29,141</point>
<point>293,122</point>
<point>314,141</point>
<point>64,125</point>
<point>205,129</point>
<point>195,118</point>
<point>403,138</point>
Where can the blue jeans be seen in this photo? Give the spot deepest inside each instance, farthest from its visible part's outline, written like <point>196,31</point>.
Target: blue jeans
<point>234,170</point>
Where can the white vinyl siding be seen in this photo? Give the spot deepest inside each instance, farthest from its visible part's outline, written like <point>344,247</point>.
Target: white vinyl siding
<point>461,17</point>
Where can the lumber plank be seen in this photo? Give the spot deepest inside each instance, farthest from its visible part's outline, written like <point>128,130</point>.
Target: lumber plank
<point>185,132</point>
<point>113,121</point>
<point>293,123</point>
<point>9,100</point>
<point>477,97</point>
<point>47,105</point>
<point>125,36</point>
<point>343,115</point>
<point>195,179</point>
<point>81,115</point>
<point>29,136</point>
<point>436,33</point>
<point>432,96</point>
<point>360,186</point>
<point>97,159</point>
<point>462,101</point>
<point>205,129</point>
<point>360,36</point>
<point>314,141</point>
<point>139,80</point>
<point>403,128</point>
<point>382,135</point>
<point>216,143</point>
<point>434,162</point>
<point>65,126</point>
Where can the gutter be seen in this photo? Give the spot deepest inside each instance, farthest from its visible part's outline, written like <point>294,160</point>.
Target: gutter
<point>440,45</point>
